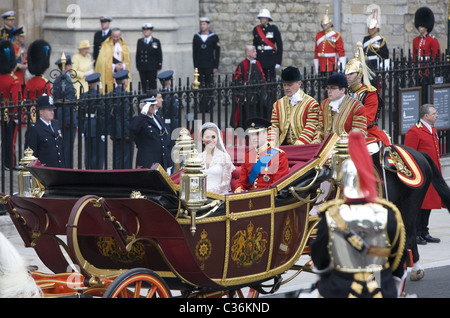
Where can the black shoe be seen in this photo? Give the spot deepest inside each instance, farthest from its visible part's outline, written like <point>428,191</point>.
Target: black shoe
<point>431,239</point>
<point>420,240</point>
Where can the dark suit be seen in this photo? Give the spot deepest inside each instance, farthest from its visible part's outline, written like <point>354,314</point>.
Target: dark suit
<point>151,141</point>
<point>148,61</point>
<point>93,107</point>
<point>47,145</point>
<point>119,127</point>
<point>98,40</point>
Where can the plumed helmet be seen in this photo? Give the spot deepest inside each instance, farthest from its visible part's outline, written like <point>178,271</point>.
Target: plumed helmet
<point>424,17</point>
<point>326,19</point>
<point>358,65</point>
<point>358,176</point>
<point>373,21</point>
<point>39,53</point>
<point>7,57</point>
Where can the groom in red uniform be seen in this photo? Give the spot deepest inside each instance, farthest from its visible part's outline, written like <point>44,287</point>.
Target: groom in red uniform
<point>423,137</point>
<point>263,165</point>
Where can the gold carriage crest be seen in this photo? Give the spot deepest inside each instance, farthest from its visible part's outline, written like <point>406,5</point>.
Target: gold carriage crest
<point>203,248</point>
<point>248,246</point>
<point>287,235</point>
<point>109,248</point>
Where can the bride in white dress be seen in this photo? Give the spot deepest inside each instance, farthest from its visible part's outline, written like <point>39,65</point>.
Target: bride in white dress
<point>217,161</point>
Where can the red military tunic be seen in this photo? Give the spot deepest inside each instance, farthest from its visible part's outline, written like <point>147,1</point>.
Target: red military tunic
<point>10,87</point>
<point>420,138</point>
<point>328,49</point>
<point>36,84</point>
<point>277,168</point>
<point>367,95</point>
<point>423,46</point>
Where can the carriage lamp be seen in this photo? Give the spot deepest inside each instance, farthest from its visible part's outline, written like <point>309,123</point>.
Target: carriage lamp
<point>339,156</point>
<point>193,186</point>
<point>182,149</point>
<point>28,185</point>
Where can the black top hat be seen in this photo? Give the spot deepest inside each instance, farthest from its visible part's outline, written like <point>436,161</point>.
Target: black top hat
<point>39,53</point>
<point>291,74</point>
<point>7,57</point>
<point>424,17</point>
<point>257,124</point>
<point>93,78</point>
<point>45,102</point>
<point>338,79</point>
<point>121,75</point>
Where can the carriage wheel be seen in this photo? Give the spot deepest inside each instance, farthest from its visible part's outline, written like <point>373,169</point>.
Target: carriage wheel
<point>138,283</point>
<point>243,293</point>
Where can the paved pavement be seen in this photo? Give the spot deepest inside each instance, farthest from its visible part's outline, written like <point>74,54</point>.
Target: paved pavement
<point>435,259</point>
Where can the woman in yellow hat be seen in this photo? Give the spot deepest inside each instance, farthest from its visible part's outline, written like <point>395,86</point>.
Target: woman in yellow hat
<point>83,64</point>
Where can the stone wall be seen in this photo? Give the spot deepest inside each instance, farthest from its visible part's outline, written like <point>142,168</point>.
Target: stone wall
<point>299,21</point>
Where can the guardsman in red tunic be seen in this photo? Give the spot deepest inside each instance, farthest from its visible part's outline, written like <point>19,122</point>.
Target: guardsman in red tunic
<point>425,44</point>
<point>423,137</point>
<point>294,116</point>
<point>340,112</point>
<point>9,90</point>
<point>263,165</point>
<point>329,53</point>
<point>358,77</point>
<point>38,62</point>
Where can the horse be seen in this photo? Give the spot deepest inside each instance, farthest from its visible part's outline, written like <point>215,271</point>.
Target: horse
<point>408,192</point>
<point>15,280</point>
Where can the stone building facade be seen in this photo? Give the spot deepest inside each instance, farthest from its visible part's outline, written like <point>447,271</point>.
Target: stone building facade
<point>177,21</point>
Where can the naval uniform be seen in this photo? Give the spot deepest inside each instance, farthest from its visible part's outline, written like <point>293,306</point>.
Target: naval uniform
<point>46,143</point>
<point>152,141</point>
<point>148,61</point>
<point>206,55</point>
<point>99,38</point>
<point>269,47</point>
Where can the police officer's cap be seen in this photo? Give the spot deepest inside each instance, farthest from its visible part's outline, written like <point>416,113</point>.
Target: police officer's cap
<point>291,74</point>
<point>121,75</point>
<point>45,102</point>
<point>10,15</point>
<point>338,79</point>
<point>93,78</point>
<point>68,61</point>
<point>151,100</point>
<point>166,75</point>
<point>147,26</point>
<point>257,124</point>
<point>105,19</point>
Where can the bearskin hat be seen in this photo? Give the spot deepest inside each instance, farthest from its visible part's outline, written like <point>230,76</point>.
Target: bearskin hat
<point>424,17</point>
<point>7,57</point>
<point>39,57</point>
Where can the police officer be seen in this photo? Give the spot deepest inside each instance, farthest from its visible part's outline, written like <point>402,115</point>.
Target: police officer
<point>151,136</point>
<point>119,121</point>
<point>7,31</point>
<point>206,52</point>
<point>148,58</point>
<point>66,113</point>
<point>45,137</point>
<point>268,43</point>
<point>101,35</point>
<point>171,102</point>
<point>93,106</point>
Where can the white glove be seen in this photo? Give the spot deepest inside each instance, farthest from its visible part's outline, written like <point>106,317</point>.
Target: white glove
<point>342,63</point>
<point>277,66</point>
<point>102,137</point>
<point>387,63</point>
<point>86,74</point>
<point>145,109</point>
<point>316,65</point>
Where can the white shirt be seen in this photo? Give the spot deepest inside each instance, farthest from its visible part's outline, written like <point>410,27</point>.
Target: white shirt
<point>296,98</point>
<point>336,103</point>
<point>427,125</point>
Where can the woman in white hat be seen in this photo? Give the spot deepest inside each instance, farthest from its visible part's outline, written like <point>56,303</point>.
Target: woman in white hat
<point>83,64</point>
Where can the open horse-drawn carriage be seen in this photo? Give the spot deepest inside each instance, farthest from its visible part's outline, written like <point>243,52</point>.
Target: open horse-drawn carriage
<point>130,234</point>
